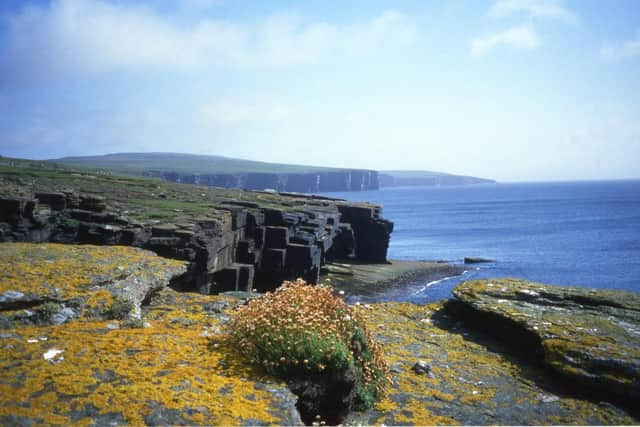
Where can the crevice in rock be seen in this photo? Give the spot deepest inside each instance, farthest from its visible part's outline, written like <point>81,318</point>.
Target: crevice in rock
<point>328,396</point>
<point>527,347</point>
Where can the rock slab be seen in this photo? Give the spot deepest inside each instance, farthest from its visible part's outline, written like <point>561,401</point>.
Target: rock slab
<point>589,335</point>
<point>97,368</point>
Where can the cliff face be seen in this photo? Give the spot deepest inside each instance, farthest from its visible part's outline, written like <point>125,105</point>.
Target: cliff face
<point>311,182</point>
<point>232,240</point>
<point>426,178</point>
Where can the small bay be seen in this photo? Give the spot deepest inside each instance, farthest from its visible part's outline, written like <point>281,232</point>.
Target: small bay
<point>565,233</point>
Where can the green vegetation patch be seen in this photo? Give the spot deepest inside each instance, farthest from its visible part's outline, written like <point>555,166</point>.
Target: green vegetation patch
<point>304,330</point>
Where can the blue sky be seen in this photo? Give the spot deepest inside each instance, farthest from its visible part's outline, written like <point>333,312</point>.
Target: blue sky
<point>516,90</point>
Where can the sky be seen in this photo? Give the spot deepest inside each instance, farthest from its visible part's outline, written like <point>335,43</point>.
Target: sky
<point>514,90</point>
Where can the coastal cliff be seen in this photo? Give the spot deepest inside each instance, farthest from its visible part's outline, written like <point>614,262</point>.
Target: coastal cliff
<point>231,239</point>
<point>102,332</point>
<point>310,182</point>
<point>225,172</point>
<point>402,178</point>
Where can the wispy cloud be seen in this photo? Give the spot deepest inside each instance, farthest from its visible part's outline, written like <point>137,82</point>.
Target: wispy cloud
<point>79,36</point>
<point>627,49</point>
<point>522,37</point>
<point>532,8</point>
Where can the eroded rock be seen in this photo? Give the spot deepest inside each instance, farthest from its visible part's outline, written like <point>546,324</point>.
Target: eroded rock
<point>60,282</point>
<point>477,379</point>
<point>174,368</point>
<point>589,335</point>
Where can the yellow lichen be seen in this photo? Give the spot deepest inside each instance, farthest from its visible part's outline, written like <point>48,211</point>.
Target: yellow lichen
<point>177,366</point>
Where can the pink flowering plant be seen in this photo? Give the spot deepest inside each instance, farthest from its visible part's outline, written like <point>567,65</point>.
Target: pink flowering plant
<point>302,329</point>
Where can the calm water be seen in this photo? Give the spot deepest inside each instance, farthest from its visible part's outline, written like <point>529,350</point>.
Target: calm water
<point>585,234</point>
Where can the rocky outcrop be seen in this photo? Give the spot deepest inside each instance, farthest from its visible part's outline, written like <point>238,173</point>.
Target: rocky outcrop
<point>238,245</point>
<point>477,260</point>
<point>307,182</point>
<point>591,336</point>
<point>170,367</point>
<point>444,372</point>
<point>53,283</point>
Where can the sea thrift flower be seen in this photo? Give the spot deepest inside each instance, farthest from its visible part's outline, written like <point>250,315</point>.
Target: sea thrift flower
<point>301,329</point>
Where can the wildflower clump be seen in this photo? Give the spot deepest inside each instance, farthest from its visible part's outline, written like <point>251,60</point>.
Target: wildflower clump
<point>303,330</point>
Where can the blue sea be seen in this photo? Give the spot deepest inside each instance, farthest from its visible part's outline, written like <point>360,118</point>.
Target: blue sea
<point>569,233</point>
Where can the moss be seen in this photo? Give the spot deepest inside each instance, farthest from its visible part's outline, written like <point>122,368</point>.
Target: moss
<point>120,309</point>
<point>46,311</point>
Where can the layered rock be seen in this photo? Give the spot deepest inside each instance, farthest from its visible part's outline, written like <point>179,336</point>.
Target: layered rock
<point>591,336</point>
<point>306,182</point>
<point>238,240</point>
<point>99,367</point>
<point>444,372</point>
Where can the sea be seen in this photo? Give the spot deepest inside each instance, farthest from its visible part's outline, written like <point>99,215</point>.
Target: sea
<point>564,233</point>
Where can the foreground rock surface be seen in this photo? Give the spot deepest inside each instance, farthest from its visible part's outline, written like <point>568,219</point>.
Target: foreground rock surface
<point>468,377</point>
<point>169,368</point>
<point>589,335</point>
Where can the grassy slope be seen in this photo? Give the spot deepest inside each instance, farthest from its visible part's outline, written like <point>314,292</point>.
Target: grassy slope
<point>143,198</point>
<point>136,163</point>
<point>416,177</point>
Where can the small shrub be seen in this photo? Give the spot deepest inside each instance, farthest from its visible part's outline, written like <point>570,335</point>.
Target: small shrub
<point>301,330</point>
<point>46,311</point>
<point>120,309</point>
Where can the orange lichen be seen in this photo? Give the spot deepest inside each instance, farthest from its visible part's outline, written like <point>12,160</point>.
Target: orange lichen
<point>64,272</point>
<point>464,373</point>
<point>127,371</point>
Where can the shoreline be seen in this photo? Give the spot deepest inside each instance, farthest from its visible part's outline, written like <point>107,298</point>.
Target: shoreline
<point>368,280</point>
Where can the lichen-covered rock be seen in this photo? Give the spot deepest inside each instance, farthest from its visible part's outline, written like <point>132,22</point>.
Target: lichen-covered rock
<point>283,236</point>
<point>589,335</point>
<point>87,280</point>
<point>473,378</point>
<point>171,367</point>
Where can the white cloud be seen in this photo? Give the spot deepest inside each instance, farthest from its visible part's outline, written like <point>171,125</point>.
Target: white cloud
<point>626,49</point>
<point>522,37</point>
<point>532,8</point>
<point>79,36</point>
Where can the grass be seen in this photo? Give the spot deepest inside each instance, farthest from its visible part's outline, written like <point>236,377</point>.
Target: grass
<point>137,163</point>
<point>139,198</point>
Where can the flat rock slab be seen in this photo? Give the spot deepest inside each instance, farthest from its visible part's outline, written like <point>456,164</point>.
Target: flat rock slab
<point>590,335</point>
<point>172,368</point>
<point>472,378</point>
<point>83,278</point>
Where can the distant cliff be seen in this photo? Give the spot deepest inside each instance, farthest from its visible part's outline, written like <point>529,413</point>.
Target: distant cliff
<point>414,178</point>
<point>218,171</point>
<point>226,172</point>
<point>311,182</point>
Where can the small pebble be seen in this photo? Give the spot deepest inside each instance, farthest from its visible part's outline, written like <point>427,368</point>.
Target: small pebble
<point>421,367</point>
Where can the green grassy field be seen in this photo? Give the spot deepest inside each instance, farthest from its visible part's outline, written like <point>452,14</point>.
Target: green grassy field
<point>138,163</point>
